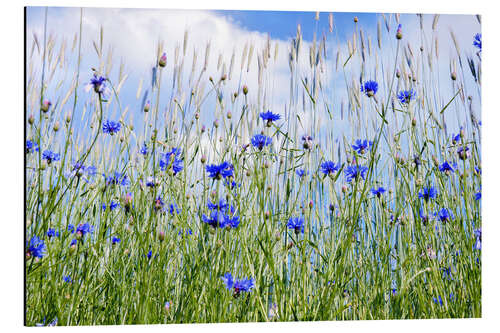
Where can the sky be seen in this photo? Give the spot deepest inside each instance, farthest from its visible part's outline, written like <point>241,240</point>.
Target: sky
<point>133,35</point>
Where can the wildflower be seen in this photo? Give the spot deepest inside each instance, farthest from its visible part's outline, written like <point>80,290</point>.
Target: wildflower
<point>71,228</point>
<point>307,141</point>
<point>394,292</point>
<point>115,240</point>
<point>127,202</point>
<point>172,161</point>
<point>477,196</point>
<point>45,106</point>
<point>36,247</point>
<point>438,300</point>
<point>31,146</point>
<point>300,172</point>
<point>478,41</point>
<point>445,215</point>
<point>329,168</point>
<point>463,152</point>
<point>174,209</point>
<point>455,138</point>
<point>446,168</point>
<point>478,235</point>
<point>147,106</point>
<point>112,205</point>
<point>150,254</point>
<point>167,306</point>
<point>231,184</point>
<point>297,224</point>
<point>144,149</point>
<point>427,193</point>
<point>67,279</point>
<point>378,191</point>
<point>370,88</point>
<point>117,179</point>
<point>80,170</point>
<point>111,127</point>
<point>158,204</point>
<point>222,206</point>
<point>72,244</point>
<point>399,32</point>
<point>361,146</point>
<point>187,232</point>
<point>260,141</point>
<point>162,62</point>
<point>219,171</point>
<point>52,232</point>
<point>424,217</point>
<point>214,220</point>
<point>406,96</point>
<point>229,221</point>
<point>150,182</point>
<point>50,156</point>
<point>98,83</point>
<point>238,285</point>
<point>84,229</point>
<point>354,172</point>
<point>269,117</point>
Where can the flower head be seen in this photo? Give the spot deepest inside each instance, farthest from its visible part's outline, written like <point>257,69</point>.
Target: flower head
<point>52,232</point>
<point>463,152</point>
<point>36,247</point>
<point>112,205</point>
<point>31,146</point>
<point>67,279</point>
<point>238,285</point>
<point>329,168</point>
<point>172,161</point>
<point>83,229</point>
<point>50,156</point>
<point>117,178</point>
<point>269,117</point>
<point>445,215</point>
<point>111,127</point>
<point>406,96</point>
<point>478,235</point>
<point>260,141</point>
<point>115,240</point>
<point>300,172</point>
<point>370,88</point>
<point>173,209</point>
<point>98,84</point>
<point>297,224</point>
<point>354,172</point>
<point>378,191</point>
<point>446,167</point>
<point>478,41</point>
<point>361,146</point>
<point>427,193</point>
<point>144,149</point>
<point>220,171</point>
<point>477,196</point>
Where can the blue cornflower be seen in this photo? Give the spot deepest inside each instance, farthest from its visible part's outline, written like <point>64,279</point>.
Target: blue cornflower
<point>215,218</point>
<point>427,193</point>
<point>378,191</point>
<point>446,167</point>
<point>73,243</point>
<point>455,138</point>
<point>222,206</point>
<point>117,179</point>
<point>438,301</point>
<point>297,224</point>
<point>238,285</point>
<point>112,205</point>
<point>98,84</point>
<point>219,171</point>
<point>36,247</point>
<point>370,88</point>
<point>50,156</point>
<point>144,149</point>
<point>406,96</point>
<point>150,254</point>
<point>361,146</point>
<point>463,152</point>
<point>329,168</point>
<point>230,184</point>
<point>478,41</point>
<point>187,232</point>
<point>81,170</point>
<point>174,209</point>
<point>115,240</point>
<point>31,146</point>
<point>354,172</point>
<point>260,141</point>
<point>478,235</point>
<point>172,160</point>
<point>71,228</point>
<point>424,217</point>
<point>269,117</point>
<point>230,221</point>
<point>300,172</point>
<point>67,279</point>
<point>52,232</point>
<point>111,127</point>
<point>477,196</point>
<point>83,229</point>
<point>445,215</point>
<point>150,182</point>
<point>158,203</point>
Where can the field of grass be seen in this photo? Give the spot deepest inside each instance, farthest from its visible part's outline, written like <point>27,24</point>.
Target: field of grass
<point>356,199</point>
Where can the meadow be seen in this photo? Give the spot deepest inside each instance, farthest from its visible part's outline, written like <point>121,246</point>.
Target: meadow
<point>205,201</point>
